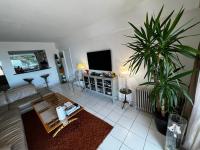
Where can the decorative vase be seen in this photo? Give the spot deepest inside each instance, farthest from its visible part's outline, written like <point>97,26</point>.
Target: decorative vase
<point>175,131</point>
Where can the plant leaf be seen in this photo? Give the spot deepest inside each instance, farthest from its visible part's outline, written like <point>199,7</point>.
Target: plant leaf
<point>178,76</point>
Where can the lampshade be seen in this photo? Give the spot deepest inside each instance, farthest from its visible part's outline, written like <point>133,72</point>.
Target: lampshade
<point>124,73</point>
<point>124,70</point>
<point>80,66</point>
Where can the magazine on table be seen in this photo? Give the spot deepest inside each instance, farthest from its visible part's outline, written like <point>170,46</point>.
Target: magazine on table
<point>70,108</point>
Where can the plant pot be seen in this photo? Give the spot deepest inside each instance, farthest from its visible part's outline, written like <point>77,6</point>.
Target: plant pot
<point>161,122</point>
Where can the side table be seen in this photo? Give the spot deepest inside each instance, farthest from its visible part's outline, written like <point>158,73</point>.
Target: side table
<point>125,91</point>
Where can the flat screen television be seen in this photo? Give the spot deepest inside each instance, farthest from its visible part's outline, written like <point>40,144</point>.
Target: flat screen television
<point>100,60</point>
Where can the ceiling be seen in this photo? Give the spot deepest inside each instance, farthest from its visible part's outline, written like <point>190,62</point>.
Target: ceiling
<point>50,20</point>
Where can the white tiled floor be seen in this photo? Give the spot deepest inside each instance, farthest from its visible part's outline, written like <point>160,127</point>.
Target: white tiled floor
<point>132,129</point>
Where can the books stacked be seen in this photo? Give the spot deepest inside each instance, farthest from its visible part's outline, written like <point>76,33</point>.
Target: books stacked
<point>70,108</point>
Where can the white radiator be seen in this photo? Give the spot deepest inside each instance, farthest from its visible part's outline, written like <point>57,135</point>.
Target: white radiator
<point>143,99</point>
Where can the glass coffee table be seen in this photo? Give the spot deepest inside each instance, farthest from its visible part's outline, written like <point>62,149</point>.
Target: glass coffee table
<point>46,111</point>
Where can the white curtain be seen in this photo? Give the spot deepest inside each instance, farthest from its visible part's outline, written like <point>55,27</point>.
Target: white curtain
<point>192,141</point>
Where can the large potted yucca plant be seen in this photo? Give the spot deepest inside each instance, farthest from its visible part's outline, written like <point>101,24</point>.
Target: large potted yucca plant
<point>157,46</point>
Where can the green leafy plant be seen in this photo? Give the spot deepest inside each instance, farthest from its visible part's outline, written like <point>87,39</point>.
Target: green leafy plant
<point>157,45</point>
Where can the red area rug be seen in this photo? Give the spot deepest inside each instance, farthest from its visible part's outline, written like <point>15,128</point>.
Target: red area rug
<point>86,133</point>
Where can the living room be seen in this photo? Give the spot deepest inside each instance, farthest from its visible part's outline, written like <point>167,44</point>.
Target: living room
<point>106,75</point>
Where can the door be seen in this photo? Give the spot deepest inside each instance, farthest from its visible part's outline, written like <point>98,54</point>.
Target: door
<point>67,63</point>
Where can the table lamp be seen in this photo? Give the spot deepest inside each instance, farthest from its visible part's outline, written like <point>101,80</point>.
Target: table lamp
<point>80,66</point>
<point>123,73</point>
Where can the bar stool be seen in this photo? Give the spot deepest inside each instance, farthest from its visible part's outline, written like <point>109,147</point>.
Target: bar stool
<point>29,80</point>
<point>45,76</point>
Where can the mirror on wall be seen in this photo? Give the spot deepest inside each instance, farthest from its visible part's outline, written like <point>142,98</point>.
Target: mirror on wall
<point>28,61</point>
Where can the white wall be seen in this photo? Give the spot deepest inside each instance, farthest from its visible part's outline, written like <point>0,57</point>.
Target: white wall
<point>50,20</point>
<point>109,34</point>
<point>120,53</point>
<point>15,80</point>
<point>80,45</point>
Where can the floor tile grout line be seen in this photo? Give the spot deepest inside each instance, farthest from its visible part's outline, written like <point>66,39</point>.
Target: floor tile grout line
<point>125,138</point>
<point>111,120</point>
<point>129,130</point>
<point>104,103</point>
<point>119,141</point>
<point>152,142</point>
<point>121,126</point>
<point>126,134</point>
<point>119,119</point>
<point>129,147</point>
<point>147,135</point>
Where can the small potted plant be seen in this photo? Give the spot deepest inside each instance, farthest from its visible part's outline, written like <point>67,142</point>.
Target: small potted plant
<point>157,46</point>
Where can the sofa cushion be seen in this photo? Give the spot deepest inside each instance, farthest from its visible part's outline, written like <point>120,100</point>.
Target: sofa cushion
<point>3,100</point>
<point>12,130</point>
<point>14,136</point>
<point>44,91</point>
<point>8,118</point>
<point>25,102</point>
<point>5,147</point>
<point>20,92</point>
<point>3,109</point>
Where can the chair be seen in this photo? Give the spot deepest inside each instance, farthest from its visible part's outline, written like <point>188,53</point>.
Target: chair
<point>76,79</point>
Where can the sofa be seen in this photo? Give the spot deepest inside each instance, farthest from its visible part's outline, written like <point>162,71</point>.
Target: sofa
<point>12,104</point>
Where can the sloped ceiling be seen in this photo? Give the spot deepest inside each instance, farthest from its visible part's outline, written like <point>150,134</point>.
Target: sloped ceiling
<point>52,20</point>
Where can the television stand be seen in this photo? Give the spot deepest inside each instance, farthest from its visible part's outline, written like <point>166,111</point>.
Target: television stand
<point>102,85</point>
